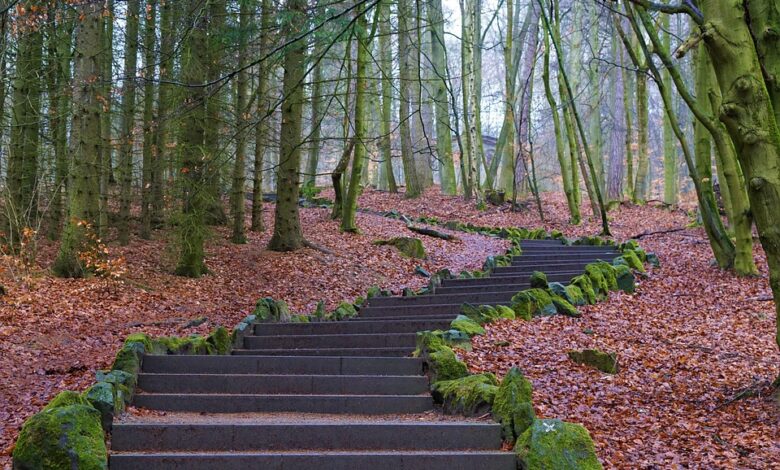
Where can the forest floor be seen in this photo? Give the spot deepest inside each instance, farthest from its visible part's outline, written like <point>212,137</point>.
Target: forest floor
<point>691,341</point>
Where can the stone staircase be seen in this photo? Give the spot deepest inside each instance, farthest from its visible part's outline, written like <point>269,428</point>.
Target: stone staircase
<point>330,395</point>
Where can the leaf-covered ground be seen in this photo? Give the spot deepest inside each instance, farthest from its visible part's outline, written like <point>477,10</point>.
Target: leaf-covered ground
<point>690,342</point>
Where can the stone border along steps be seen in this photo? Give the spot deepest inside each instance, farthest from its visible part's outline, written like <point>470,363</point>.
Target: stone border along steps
<point>348,368</point>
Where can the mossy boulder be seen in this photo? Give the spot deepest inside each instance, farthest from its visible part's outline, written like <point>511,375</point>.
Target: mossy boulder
<point>123,381</point>
<point>551,444</point>
<point>625,279</point>
<point>512,406</point>
<point>128,358</point>
<point>268,310</point>
<point>344,310</point>
<point>219,339</point>
<point>652,258</point>
<point>408,246</point>
<point>469,395</point>
<point>108,400</point>
<point>62,437</point>
<point>242,329</point>
<point>633,260</point>
<point>603,361</point>
<point>457,339</point>
<point>505,312</point>
<point>440,359</point>
<point>480,313</point>
<point>66,398</point>
<point>466,325</point>
<point>585,285</point>
<point>538,280</point>
<point>599,282</point>
<point>563,307</point>
<point>533,302</point>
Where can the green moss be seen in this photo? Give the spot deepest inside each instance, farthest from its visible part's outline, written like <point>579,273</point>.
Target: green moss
<point>470,395</point>
<point>551,444</point>
<point>610,276</point>
<point>575,296</point>
<point>563,307</point>
<point>66,398</point>
<point>597,279</point>
<point>269,310</point>
<point>456,339</point>
<point>605,362</point>
<point>428,341</point>
<point>105,398</point>
<point>344,310</point>
<point>300,319</point>
<point>625,279</point>
<point>505,312</point>
<point>533,302</point>
<point>408,246</point>
<point>65,437</point>
<point>652,258</point>
<point>219,339</point>
<point>141,338</point>
<point>445,365</point>
<point>373,291</point>
<point>512,406</point>
<point>633,260</point>
<point>538,280</point>
<point>128,359</point>
<point>466,325</point>
<point>123,381</point>
<point>585,285</point>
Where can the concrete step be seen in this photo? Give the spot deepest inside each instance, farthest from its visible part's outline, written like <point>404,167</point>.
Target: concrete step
<point>482,288</point>
<point>387,460</point>
<point>283,384</point>
<point>259,403</point>
<point>442,298</point>
<point>558,276</point>
<point>519,277</point>
<point>347,327</point>
<point>446,318</point>
<point>282,365</point>
<point>370,340</point>
<point>333,352</point>
<point>409,310</point>
<point>565,249</point>
<point>532,266</point>
<point>552,258</point>
<point>308,434</point>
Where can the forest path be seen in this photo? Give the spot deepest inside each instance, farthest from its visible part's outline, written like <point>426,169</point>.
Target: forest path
<point>338,395</point>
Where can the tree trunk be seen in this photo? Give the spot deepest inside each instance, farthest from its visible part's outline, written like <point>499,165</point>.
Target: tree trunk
<point>642,184</point>
<point>617,134</point>
<point>164,157</point>
<point>316,122</point>
<point>106,125</point>
<point>245,16</point>
<point>267,18</point>
<point>670,150</point>
<point>128,121</point>
<point>151,150</point>
<point>441,99</point>
<point>386,69</point>
<point>85,141</point>
<point>413,183</point>
<point>288,235</point>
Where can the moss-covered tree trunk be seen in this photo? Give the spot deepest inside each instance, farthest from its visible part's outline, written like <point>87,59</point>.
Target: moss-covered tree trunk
<point>386,70</point>
<point>642,181</point>
<point>59,63</point>
<point>349,207</point>
<point>86,143</point>
<point>750,118</point>
<point>441,98</point>
<point>150,150</point>
<point>617,134</point>
<point>406,76</point>
<point>237,204</point>
<point>127,137</point>
<point>316,122</point>
<point>670,150</point>
<point>261,127</point>
<point>24,144</point>
<point>288,235</point>
<point>106,127</point>
<point>595,134</point>
<point>192,149</point>
<point>165,122</point>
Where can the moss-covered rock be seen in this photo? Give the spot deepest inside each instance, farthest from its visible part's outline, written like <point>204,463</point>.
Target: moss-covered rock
<point>440,359</point>
<point>551,444</point>
<point>505,312</point>
<point>605,362</point>
<point>652,258</point>
<point>408,246</point>
<point>563,307</point>
<point>538,280</point>
<point>575,296</point>
<point>625,279</point>
<point>512,406</point>
<point>123,381</point>
<point>66,398</point>
<point>344,310</point>
<point>268,310</point>
<point>469,395</point>
<point>533,302</point>
<point>598,281</point>
<point>219,339</point>
<point>242,329</point>
<point>457,339</point>
<point>107,399</point>
<point>466,325</point>
<point>128,358</point>
<point>585,285</point>
<point>633,260</point>
<point>63,437</point>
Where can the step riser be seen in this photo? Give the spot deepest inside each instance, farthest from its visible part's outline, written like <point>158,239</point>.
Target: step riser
<point>330,404</point>
<point>482,289</point>
<point>278,437</point>
<point>552,277</point>
<point>281,365</point>
<point>553,259</point>
<point>565,249</point>
<point>447,318</point>
<point>394,340</point>
<point>521,279</point>
<point>351,352</point>
<point>283,384</point>
<point>497,461</point>
<point>373,312</point>
<point>346,327</point>
<point>438,298</point>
